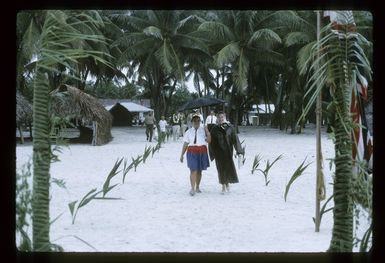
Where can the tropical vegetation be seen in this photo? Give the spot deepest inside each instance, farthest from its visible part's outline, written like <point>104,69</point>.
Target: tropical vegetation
<point>245,57</point>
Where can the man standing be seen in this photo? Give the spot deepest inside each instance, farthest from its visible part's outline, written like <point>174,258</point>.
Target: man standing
<point>149,121</point>
<point>175,126</point>
<point>223,140</point>
<point>211,120</point>
<point>162,127</point>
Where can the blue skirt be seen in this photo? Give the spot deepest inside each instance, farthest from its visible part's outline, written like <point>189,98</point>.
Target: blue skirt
<point>197,158</point>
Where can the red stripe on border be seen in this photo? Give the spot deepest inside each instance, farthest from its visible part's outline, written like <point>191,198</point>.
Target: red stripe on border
<point>197,149</point>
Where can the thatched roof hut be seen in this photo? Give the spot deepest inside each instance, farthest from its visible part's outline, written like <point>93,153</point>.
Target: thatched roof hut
<point>70,101</point>
<point>23,110</point>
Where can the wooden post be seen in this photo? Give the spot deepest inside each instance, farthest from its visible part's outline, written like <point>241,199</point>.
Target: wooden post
<point>21,134</point>
<point>318,143</point>
<point>94,132</point>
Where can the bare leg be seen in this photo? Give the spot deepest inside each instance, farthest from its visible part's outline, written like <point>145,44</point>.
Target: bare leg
<point>223,188</point>
<point>199,177</point>
<point>193,180</point>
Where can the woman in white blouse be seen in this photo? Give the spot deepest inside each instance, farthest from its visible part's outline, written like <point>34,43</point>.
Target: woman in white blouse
<point>195,142</point>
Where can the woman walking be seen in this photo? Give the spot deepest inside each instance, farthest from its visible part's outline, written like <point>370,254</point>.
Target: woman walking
<point>224,140</point>
<point>195,142</point>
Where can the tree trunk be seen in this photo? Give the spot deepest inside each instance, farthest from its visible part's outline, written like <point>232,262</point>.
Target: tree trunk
<point>41,164</point>
<point>21,133</point>
<point>342,234</point>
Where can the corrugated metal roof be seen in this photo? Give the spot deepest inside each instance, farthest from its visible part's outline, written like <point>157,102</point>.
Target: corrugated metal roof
<point>131,107</point>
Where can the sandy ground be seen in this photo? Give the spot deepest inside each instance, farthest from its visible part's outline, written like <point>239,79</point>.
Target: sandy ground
<point>155,213</point>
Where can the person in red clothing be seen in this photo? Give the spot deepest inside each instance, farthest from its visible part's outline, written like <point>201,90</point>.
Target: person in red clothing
<point>195,143</point>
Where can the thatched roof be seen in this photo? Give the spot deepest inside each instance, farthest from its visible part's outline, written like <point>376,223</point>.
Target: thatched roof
<point>70,101</point>
<point>23,109</point>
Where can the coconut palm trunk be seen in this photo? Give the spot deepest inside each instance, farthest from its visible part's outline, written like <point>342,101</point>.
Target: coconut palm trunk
<point>342,234</point>
<point>336,67</point>
<point>41,164</point>
<point>56,44</point>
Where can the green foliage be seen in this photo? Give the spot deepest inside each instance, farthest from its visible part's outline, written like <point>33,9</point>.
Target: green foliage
<point>257,160</point>
<point>324,210</point>
<point>112,90</point>
<point>93,194</point>
<point>126,169</point>
<point>113,172</point>
<point>265,172</point>
<point>23,207</point>
<point>297,173</point>
<point>146,153</point>
<point>365,242</point>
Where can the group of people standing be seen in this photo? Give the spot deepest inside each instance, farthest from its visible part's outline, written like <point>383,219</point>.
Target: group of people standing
<point>221,138</point>
<point>177,122</point>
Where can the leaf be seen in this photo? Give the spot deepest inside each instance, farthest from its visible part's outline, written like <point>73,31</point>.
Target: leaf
<point>109,189</point>
<point>59,182</point>
<point>108,198</point>
<point>146,153</point>
<point>256,162</point>
<point>112,173</point>
<point>297,173</point>
<point>86,198</point>
<point>72,207</point>
<point>153,31</point>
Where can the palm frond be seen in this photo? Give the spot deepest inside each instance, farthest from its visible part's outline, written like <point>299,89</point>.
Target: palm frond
<point>165,57</point>
<point>304,57</point>
<point>153,31</point>
<point>191,42</point>
<point>295,38</point>
<point>217,30</point>
<point>242,69</point>
<point>264,37</point>
<point>227,54</point>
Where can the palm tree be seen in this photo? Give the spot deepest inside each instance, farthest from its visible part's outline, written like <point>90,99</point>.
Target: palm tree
<point>155,42</point>
<point>28,29</point>
<point>53,47</point>
<point>335,63</point>
<point>242,39</point>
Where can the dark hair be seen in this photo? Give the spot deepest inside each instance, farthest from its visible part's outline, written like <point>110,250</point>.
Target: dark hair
<point>222,112</point>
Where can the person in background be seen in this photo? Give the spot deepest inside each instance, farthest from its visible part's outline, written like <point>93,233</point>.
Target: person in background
<point>200,116</point>
<point>194,142</point>
<point>211,120</point>
<point>162,127</point>
<point>223,140</point>
<point>149,121</point>
<point>188,120</point>
<point>183,126</point>
<point>175,126</point>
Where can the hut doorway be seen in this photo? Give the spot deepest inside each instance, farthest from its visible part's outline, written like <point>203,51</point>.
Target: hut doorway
<point>121,116</point>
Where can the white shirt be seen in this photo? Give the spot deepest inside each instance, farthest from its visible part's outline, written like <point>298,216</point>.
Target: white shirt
<point>201,118</point>
<point>190,135</point>
<point>211,119</point>
<point>162,125</point>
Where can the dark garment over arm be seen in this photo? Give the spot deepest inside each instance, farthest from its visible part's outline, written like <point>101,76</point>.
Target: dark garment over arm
<point>223,140</point>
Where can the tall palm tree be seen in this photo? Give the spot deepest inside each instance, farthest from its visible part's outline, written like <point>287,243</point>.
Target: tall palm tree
<point>335,63</point>
<point>53,47</point>
<point>242,39</point>
<point>155,42</point>
<point>28,29</point>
